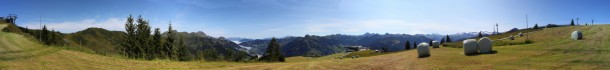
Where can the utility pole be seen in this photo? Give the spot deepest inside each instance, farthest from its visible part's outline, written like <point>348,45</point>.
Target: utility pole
<point>577,21</point>
<point>40,24</point>
<point>526,27</point>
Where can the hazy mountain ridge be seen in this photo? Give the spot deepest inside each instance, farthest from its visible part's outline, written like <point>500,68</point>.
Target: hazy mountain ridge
<point>312,45</point>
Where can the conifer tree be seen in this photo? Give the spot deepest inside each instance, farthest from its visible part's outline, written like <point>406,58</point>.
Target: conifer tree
<point>183,52</point>
<point>480,35</point>
<point>407,45</point>
<point>143,38</point>
<point>129,39</point>
<point>45,35</point>
<point>273,52</point>
<point>448,39</point>
<point>443,40</point>
<point>572,22</point>
<point>170,43</point>
<point>158,45</point>
<point>430,42</point>
<point>536,26</point>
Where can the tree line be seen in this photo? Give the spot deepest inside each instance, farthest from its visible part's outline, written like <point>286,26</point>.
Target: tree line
<point>444,40</point>
<point>138,42</point>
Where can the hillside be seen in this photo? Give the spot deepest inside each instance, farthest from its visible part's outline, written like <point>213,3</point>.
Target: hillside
<point>553,49</point>
<point>106,42</point>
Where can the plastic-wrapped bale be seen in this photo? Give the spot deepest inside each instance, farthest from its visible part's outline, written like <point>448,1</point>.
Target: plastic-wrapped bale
<point>511,37</point>
<point>423,50</point>
<point>485,45</point>
<point>436,44</point>
<point>470,46</point>
<point>520,34</point>
<point>576,35</point>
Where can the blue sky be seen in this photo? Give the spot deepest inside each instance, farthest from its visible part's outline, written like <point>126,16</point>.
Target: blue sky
<point>279,18</point>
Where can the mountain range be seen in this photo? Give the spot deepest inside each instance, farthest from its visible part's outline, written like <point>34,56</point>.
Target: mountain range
<point>313,45</point>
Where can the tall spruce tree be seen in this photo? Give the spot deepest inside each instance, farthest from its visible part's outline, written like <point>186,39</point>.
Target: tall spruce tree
<point>170,43</point>
<point>273,52</point>
<point>183,52</point>
<point>45,35</point>
<point>407,45</point>
<point>536,26</point>
<point>430,42</point>
<point>572,22</point>
<point>443,40</point>
<point>157,44</point>
<point>143,39</point>
<point>480,35</point>
<point>448,39</point>
<point>129,43</point>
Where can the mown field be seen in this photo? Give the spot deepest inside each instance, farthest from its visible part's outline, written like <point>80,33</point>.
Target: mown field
<point>552,49</point>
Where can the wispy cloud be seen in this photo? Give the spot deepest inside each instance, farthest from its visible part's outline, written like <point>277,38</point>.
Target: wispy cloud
<point>73,26</point>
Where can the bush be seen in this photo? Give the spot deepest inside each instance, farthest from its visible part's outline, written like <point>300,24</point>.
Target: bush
<point>551,25</point>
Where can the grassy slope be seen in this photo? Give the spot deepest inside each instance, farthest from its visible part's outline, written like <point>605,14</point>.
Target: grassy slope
<point>553,49</point>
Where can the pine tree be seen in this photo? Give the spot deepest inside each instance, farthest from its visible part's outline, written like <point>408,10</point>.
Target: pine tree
<point>273,52</point>
<point>443,40</point>
<point>480,35</point>
<point>407,45</point>
<point>143,38</point>
<point>129,39</point>
<point>430,42</point>
<point>448,39</point>
<point>170,43</point>
<point>183,52</point>
<point>536,26</point>
<point>572,22</point>
<point>158,45</point>
<point>45,35</point>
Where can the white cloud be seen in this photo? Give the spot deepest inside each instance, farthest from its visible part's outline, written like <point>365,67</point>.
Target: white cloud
<point>115,24</point>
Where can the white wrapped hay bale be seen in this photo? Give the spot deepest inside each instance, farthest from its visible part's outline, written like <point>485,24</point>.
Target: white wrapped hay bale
<point>470,46</point>
<point>423,50</point>
<point>436,44</point>
<point>511,37</point>
<point>485,45</point>
<point>520,34</point>
<point>576,35</point>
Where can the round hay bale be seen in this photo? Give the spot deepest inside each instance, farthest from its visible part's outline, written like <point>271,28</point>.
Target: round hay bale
<point>423,50</point>
<point>520,34</point>
<point>485,45</point>
<point>511,37</point>
<point>436,44</point>
<point>470,46</point>
<point>576,35</point>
